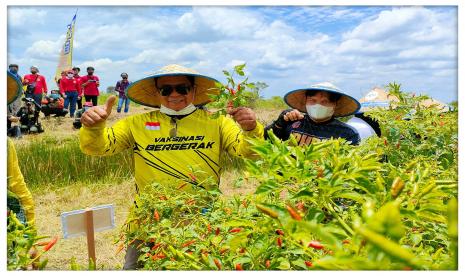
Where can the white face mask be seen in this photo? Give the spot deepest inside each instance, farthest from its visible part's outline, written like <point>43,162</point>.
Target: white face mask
<point>70,76</point>
<point>186,110</point>
<point>319,112</point>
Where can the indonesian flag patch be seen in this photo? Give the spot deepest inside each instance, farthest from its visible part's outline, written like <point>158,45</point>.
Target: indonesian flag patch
<point>152,125</point>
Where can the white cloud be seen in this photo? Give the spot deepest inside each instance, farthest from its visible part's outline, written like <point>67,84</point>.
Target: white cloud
<point>389,23</point>
<point>402,44</point>
<point>45,49</point>
<point>25,17</point>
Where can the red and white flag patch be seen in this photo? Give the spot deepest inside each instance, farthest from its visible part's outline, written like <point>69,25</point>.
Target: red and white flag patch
<point>152,125</point>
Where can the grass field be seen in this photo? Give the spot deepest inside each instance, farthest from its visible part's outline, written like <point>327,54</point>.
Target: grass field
<point>62,179</point>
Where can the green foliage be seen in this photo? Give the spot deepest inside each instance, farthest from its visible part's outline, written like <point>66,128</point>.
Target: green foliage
<point>21,246</point>
<point>275,102</point>
<point>58,163</point>
<point>235,93</point>
<point>389,204</point>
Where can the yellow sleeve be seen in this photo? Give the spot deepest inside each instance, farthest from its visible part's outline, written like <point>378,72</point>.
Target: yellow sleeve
<point>234,139</point>
<point>104,141</point>
<point>17,185</point>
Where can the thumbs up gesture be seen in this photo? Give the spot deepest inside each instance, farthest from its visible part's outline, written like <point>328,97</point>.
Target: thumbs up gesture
<point>98,114</point>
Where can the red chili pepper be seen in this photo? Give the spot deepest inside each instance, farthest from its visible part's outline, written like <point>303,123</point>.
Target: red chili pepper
<point>193,178</point>
<point>152,240</point>
<point>398,145</point>
<point>316,245</point>
<point>209,228</point>
<point>267,263</point>
<point>300,206</point>
<point>120,247</point>
<point>345,242</point>
<point>320,172</point>
<point>308,263</point>
<point>232,91</point>
<point>238,87</point>
<point>279,241</point>
<point>223,250</point>
<point>280,232</point>
<point>156,215</point>
<point>235,230</point>
<point>148,254</point>
<point>385,142</point>
<point>42,243</point>
<point>161,256</point>
<point>217,231</point>
<point>156,246</point>
<point>217,263</point>
<point>186,244</point>
<point>190,201</point>
<point>293,213</point>
<point>182,186</point>
<point>242,250</point>
<point>239,267</point>
<point>51,244</point>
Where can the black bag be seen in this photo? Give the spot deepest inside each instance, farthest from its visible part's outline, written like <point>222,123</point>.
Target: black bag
<point>30,87</point>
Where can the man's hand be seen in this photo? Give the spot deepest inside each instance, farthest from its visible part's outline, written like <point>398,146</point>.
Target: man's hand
<point>244,116</point>
<point>13,119</point>
<point>293,115</point>
<point>98,114</point>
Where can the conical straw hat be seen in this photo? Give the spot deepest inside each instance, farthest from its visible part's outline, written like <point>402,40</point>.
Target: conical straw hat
<point>146,93</point>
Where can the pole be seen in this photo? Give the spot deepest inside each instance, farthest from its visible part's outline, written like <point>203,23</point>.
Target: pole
<point>90,235</point>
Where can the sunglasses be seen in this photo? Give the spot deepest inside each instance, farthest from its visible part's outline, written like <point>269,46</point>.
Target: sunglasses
<point>166,90</point>
<point>174,129</point>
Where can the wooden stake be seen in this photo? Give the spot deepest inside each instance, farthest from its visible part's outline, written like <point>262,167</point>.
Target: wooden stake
<point>90,235</point>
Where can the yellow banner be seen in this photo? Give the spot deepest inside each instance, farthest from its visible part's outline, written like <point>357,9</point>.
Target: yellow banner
<point>65,61</point>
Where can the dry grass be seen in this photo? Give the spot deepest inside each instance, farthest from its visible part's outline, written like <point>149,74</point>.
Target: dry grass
<point>50,203</point>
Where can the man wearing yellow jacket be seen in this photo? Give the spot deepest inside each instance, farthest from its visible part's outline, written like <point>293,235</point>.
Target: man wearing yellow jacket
<point>166,142</point>
<point>19,197</point>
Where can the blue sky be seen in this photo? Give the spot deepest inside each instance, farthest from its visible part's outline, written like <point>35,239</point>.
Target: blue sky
<point>356,48</point>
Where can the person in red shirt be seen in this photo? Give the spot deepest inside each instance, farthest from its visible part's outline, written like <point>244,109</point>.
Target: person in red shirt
<point>76,71</point>
<point>70,88</point>
<point>36,85</point>
<point>90,84</point>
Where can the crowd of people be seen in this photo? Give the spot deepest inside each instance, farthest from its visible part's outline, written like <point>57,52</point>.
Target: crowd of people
<point>24,112</point>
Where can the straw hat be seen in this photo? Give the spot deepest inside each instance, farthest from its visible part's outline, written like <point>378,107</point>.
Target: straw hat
<point>345,106</point>
<point>144,91</point>
<point>15,88</point>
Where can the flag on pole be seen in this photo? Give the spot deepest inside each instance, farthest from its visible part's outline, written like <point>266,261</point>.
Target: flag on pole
<point>65,60</point>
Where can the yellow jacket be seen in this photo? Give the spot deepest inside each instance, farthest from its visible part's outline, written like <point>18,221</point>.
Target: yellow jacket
<point>199,143</point>
<point>17,185</point>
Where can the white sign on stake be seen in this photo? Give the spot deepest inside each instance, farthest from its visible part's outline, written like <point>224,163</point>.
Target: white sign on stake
<point>74,223</point>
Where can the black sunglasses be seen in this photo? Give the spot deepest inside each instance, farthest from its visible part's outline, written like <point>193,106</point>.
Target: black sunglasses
<point>182,89</point>
<point>174,129</point>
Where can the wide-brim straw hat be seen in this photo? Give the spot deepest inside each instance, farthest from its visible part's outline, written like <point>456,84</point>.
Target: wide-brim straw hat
<point>345,106</point>
<point>146,93</point>
<point>14,88</point>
